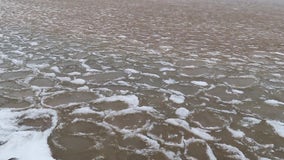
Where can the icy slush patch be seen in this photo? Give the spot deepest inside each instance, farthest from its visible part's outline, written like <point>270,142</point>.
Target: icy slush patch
<point>22,142</point>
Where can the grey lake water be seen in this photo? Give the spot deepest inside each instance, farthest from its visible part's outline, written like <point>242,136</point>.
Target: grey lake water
<point>141,79</point>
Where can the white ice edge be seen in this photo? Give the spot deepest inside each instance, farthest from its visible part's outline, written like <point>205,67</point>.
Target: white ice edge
<point>201,133</point>
<point>131,100</point>
<point>277,126</point>
<point>20,141</point>
<point>179,99</point>
<point>236,133</point>
<point>235,152</point>
<point>274,102</point>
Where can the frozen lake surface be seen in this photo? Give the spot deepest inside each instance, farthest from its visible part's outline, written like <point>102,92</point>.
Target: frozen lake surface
<point>141,79</point>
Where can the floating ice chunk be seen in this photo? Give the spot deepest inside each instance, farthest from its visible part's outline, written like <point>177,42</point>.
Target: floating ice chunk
<point>279,53</point>
<point>148,109</point>
<point>78,81</point>
<point>170,81</point>
<point>249,121</point>
<point>167,69</point>
<point>179,99</point>
<point>49,74</point>
<point>178,122</point>
<point>182,113</point>
<point>122,36</point>
<point>131,71</point>
<point>234,101</point>
<point>151,75</point>
<point>55,69</point>
<point>276,75</point>
<point>200,83</point>
<point>25,142</point>
<point>74,73</point>
<point>202,134</point>
<point>236,153</point>
<point>83,88</point>
<point>64,78</point>
<point>131,100</point>
<point>236,133</point>
<point>236,91</point>
<point>277,126</point>
<point>165,63</point>
<point>274,102</point>
<point>166,48</point>
<point>33,43</point>
<point>37,66</point>
<point>17,62</point>
<point>83,110</point>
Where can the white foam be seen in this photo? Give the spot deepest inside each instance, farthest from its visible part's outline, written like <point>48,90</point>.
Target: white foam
<point>78,81</point>
<point>236,133</point>
<point>179,99</point>
<point>182,113</point>
<point>274,102</point>
<point>277,126</point>
<point>25,142</point>
<point>200,83</point>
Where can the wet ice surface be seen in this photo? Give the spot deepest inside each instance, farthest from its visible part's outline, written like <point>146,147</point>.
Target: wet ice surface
<point>141,79</point>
